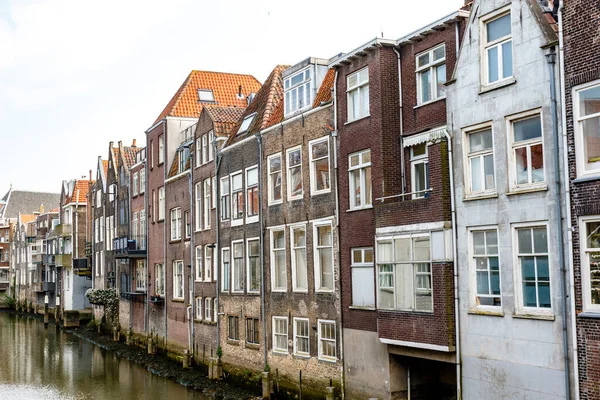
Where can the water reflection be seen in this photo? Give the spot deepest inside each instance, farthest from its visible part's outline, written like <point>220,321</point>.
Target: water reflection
<point>39,363</point>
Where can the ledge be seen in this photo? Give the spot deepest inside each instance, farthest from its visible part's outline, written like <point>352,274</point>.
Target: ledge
<point>532,189</point>
<point>542,317</point>
<point>588,314</point>
<point>584,179</point>
<point>429,102</point>
<point>489,313</point>
<point>481,197</point>
<point>252,346</point>
<point>360,209</point>
<point>177,300</point>
<point>497,85</point>
<point>232,342</point>
<point>362,308</point>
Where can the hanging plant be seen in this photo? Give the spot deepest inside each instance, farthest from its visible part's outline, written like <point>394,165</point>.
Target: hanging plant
<point>107,298</point>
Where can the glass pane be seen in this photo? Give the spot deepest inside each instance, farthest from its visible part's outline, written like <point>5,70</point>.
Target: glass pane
<point>479,141</point>
<point>441,79</point>
<point>498,28</point>
<point>320,149</point>
<point>297,79</point>
<point>481,263</point>
<point>529,297</point>
<point>294,158</point>
<point>589,101</point>
<point>591,135</point>
<point>363,75</point>
<point>521,165</point>
<point>594,260</point>
<point>299,238</point>
<point>492,54</point>
<point>278,239</point>
<point>528,268</point>
<point>420,177</point>
<point>494,265</point>
<point>322,173</point>
<point>236,182</point>
<point>301,100</point>
<point>324,233</point>
<point>540,240</point>
<point>425,80</point>
<point>364,101</point>
<point>592,231</point>
<point>357,256</point>
<point>507,59</point>
<point>439,53</point>
<point>404,278</point>
<point>325,261</point>
<point>476,180</point>
<point>542,269</point>
<point>492,242</point>
<point>275,164</point>
<point>369,255</point>
<point>352,80</point>
<point>479,242</point>
<point>355,178</point>
<point>252,178</point>
<point>366,157</point>
<point>423,60</point>
<point>421,249</point>
<point>296,181</point>
<point>495,283</point>
<point>544,294</point>
<point>526,129</point>
<point>384,252</point>
<point>368,194</point>
<point>402,249</point>
<point>280,270</point>
<point>354,160</point>
<point>488,170</point>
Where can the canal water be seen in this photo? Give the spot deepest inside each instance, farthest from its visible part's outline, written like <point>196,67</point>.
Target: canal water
<point>47,364</point>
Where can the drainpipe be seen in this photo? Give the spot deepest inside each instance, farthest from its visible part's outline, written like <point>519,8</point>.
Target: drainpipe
<point>146,217</point>
<point>165,240</point>
<point>567,190</point>
<point>262,248</point>
<point>76,236</point>
<point>192,263</point>
<point>551,59</point>
<point>402,166</point>
<point>455,269</point>
<point>218,156</point>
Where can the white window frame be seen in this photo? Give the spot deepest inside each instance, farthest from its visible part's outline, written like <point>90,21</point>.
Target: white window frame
<point>199,304</point>
<point>359,88</point>
<point>474,296</point>
<point>270,174</point>
<point>175,223</point>
<point>248,265</point>
<point>208,263</point>
<point>178,283</point>
<point>206,186</point>
<point>288,169</point>
<point>140,276</point>
<point>198,260</point>
<point>316,258</point>
<point>161,203</point>
<point>512,146</point>
<point>236,219</point>
<point>225,196</point>
<point>187,223</point>
<point>159,279</point>
<point>206,95</point>
<point>297,336</point>
<point>198,152</point>
<point>225,269</point>
<point>254,187</point>
<point>313,170</point>
<point>246,123</point>
<point>281,334</point>
<point>418,160</point>
<point>142,180</point>
<point>208,309</point>
<point>305,85</point>
<point>234,277</point>
<point>135,183</point>
<point>468,184</point>
<point>362,168</point>
<point>432,66</point>
<point>363,265</point>
<point>585,256</point>
<point>198,207</point>
<point>273,262</point>
<point>204,149</point>
<point>293,249</point>
<point>485,46</point>
<point>584,169</point>
<point>255,326</point>
<point>161,149</point>
<point>321,339</point>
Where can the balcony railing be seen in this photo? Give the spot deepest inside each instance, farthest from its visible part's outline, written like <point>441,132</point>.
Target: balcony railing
<point>81,267</point>
<point>49,286</point>
<point>64,260</point>
<point>3,286</point>
<point>63,229</point>
<point>127,248</point>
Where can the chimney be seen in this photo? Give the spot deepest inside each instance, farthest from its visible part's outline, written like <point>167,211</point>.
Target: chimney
<point>133,144</point>
<point>41,208</point>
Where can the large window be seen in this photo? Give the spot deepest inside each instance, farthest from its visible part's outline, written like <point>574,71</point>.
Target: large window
<point>363,277</point>
<point>294,173</point>
<point>274,187</point>
<point>301,337</point>
<point>233,332</point>
<point>359,169</point>
<point>252,331</point>
<point>238,266</point>
<point>404,266</point>
<point>299,266</point>
<point>431,74</point>
<point>225,205</point>
<point>323,252</point>
<point>253,273</point>
<point>161,203</point>
<point>590,262</point>
<point>327,340</point>
<point>140,275</point>
<point>208,262</point>
<point>159,279</point>
<point>485,263</point>
<point>252,192</point>
<point>198,263</point>
<point>278,264</point>
<point>357,87</point>
<point>586,111</point>
<point>533,268</point>
<point>497,43</point>
<point>225,261</point>
<point>319,166</point>
<point>178,279</point>
<point>237,194</point>
<point>297,92</point>
<point>527,152</point>
<point>419,170</point>
<point>480,161</point>
<point>176,223</point>
<point>207,202</point>
<point>280,334</point>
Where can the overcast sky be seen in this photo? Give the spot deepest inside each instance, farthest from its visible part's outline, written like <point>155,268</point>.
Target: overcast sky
<point>76,74</point>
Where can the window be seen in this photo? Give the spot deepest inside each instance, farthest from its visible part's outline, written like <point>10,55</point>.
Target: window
<point>207,201</point>
<point>161,203</point>
<point>590,262</point>
<point>404,265</point>
<point>280,335</point>
<point>294,173</point>
<point>208,256</point>
<point>183,155</point>
<point>211,151</point>
<point>278,264</point>
<point>480,161</point>
<point>98,199</point>
<point>237,194</point>
<point>419,170</point>
<point>207,309</point>
<point>161,149</point>
<point>206,95</point>
<point>225,260</point>
<point>225,208</point>
<point>232,331</point>
<point>357,87</point>
<point>252,329</point>
<point>198,149</point>
<point>299,268</point>
<point>135,183</point>
<point>178,279</point>
<point>323,242</point>
<point>151,154</point>
<point>238,267</point>
<point>274,186</point>
<point>198,263</point>
<point>252,191</point>
<point>586,110</point>
<point>363,278</point>
<point>301,337</point>
<point>486,266</point>
<point>215,310</point>
<point>188,224</point>
<point>297,92</point>
<point>198,210</point>
<point>176,223</point>
<point>533,268</point>
<point>527,151</point>
<point>134,226</point>
<point>142,237</point>
<point>204,149</point>
<point>142,180</point>
<point>153,205</point>
<point>140,275</point>
<point>327,345</point>
<point>360,179</point>
<point>319,166</point>
<point>246,123</point>
<point>497,41</point>
<point>431,74</point>
<point>253,273</point>
<point>159,279</point>
<point>198,308</point>
<point>213,196</point>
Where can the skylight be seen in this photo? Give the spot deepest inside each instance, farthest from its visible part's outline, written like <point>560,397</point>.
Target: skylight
<point>246,123</point>
<point>205,95</point>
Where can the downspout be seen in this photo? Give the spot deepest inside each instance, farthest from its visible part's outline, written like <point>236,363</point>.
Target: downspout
<point>146,217</point>
<point>551,59</point>
<point>262,248</point>
<point>76,236</point>
<point>455,269</point>
<point>567,190</point>
<point>165,240</point>
<point>402,166</point>
<point>218,156</point>
<point>192,263</point>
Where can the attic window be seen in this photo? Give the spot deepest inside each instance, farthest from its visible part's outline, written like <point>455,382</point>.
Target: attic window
<point>205,95</point>
<point>246,123</point>
<point>297,92</point>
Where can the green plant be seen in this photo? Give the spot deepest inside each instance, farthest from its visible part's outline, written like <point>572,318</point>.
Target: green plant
<point>219,352</point>
<point>108,298</point>
<point>10,301</point>
<point>267,368</point>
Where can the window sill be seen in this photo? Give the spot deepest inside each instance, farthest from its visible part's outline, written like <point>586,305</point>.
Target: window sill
<point>482,196</point>
<point>317,193</point>
<point>279,290</point>
<point>429,102</point>
<point>357,119</point>
<point>175,240</point>
<point>362,308</point>
<point>534,315</point>
<point>234,342</point>
<point>276,203</point>
<point>177,300</point>
<point>299,291</point>
<point>360,208</point>
<point>253,346</point>
<point>206,322</point>
<point>497,85</point>
<point>280,353</point>
<point>589,314</point>
<point>486,311</point>
<point>301,356</point>
<point>329,360</point>
<point>296,198</point>
<point>252,220</point>
<point>324,291</point>
<point>588,178</point>
<point>388,310</point>
<point>528,189</point>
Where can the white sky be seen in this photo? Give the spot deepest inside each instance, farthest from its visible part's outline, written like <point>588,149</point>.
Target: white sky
<point>76,74</point>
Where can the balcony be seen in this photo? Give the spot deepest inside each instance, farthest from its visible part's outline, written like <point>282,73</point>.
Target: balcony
<point>3,286</point>
<point>63,229</point>
<point>81,267</point>
<point>37,287</point>
<point>135,297</point>
<point>37,258</point>
<point>49,286</point>
<point>64,260</point>
<point>126,248</point>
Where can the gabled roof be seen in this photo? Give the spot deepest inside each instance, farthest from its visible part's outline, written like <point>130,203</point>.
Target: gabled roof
<point>264,105</point>
<point>77,191</point>
<point>23,202</point>
<point>225,88</point>
<point>105,167</point>
<point>128,154</point>
<point>224,118</point>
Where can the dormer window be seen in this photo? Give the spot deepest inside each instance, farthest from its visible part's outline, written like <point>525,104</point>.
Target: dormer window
<point>206,95</point>
<point>297,92</point>
<point>246,123</point>
<point>183,155</point>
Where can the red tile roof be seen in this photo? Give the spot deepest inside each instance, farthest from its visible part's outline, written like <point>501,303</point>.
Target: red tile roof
<point>79,192</point>
<point>105,166</point>
<point>224,118</point>
<point>324,94</point>
<point>225,87</point>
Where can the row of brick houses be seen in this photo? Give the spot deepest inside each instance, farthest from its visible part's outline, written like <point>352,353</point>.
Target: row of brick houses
<point>415,218</point>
